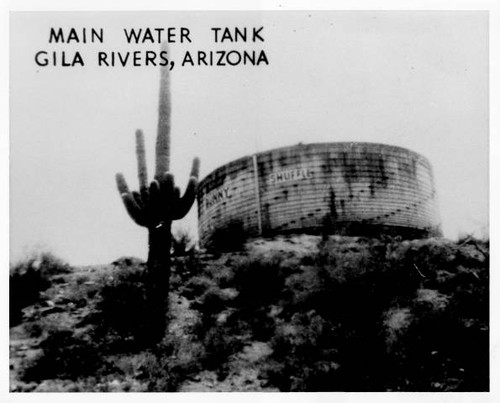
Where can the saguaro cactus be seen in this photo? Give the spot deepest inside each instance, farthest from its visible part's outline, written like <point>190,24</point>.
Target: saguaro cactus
<point>156,205</point>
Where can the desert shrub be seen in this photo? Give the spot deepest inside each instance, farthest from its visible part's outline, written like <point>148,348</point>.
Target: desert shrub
<point>445,346</point>
<point>221,270</point>
<point>123,313</point>
<point>304,355</point>
<point>234,306</point>
<point>259,281</point>
<point>440,350</point>
<point>29,277</point>
<point>358,277</point>
<point>230,238</point>
<point>196,286</point>
<point>64,355</point>
<point>184,268</point>
<point>166,367</point>
<point>213,301</point>
<point>182,243</point>
<point>127,261</point>
<point>328,334</point>
<point>423,257</point>
<point>214,308</point>
<point>219,343</point>
<point>333,332</point>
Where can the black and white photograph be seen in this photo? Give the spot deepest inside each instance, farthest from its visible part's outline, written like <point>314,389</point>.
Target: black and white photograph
<point>273,200</point>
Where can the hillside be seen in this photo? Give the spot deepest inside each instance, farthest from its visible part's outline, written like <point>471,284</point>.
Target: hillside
<point>288,314</point>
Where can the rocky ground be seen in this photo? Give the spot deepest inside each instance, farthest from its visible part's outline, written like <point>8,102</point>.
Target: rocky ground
<point>66,303</point>
<point>270,331</point>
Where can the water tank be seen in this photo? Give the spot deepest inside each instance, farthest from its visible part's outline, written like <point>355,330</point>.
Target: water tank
<point>344,187</point>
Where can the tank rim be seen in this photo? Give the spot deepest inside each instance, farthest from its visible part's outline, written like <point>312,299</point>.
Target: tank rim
<point>318,144</point>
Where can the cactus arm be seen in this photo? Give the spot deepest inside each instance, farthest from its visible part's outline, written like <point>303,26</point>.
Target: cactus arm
<point>141,166</point>
<point>141,159</point>
<point>138,199</point>
<point>154,190</point>
<point>144,191</point>
<point>167,188</point>
<point>134,211</point>
<point>164,111</point>
<point>190,191</point>
<point>131,205</point>
<point>177,193</point>
<point>121,184</point>
<point>187,200</point>
<point>195,168</point>
<point>154,205</point>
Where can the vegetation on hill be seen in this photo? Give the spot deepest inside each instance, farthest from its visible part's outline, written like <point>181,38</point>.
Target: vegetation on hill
<point>289,314</point>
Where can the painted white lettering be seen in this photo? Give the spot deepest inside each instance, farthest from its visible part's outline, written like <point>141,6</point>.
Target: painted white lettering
<point>290,175</point>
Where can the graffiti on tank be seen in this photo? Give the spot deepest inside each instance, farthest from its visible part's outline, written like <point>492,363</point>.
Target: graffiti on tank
<point>361,189</point>
<point>215,196</point>
<point>290,175</point>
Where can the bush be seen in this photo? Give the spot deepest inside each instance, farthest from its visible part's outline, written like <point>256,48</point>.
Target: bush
<point>167,366</point>
<point>196,286</point>
<point>260,280</point>
<point>385,316</point>
<point>220,342</point>
<point>30,277</point>
<point>230,238</point>
<point>445,345</point>
<point>304,354</point>
<point>184,268</point>
<point>64,355</point>
<point>182,243</point>
<point>123,315</point>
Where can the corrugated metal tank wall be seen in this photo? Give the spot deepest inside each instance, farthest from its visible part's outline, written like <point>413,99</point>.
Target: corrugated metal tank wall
<point>353,188</point>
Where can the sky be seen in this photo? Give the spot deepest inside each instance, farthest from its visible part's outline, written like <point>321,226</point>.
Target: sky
<point>415,79</point>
